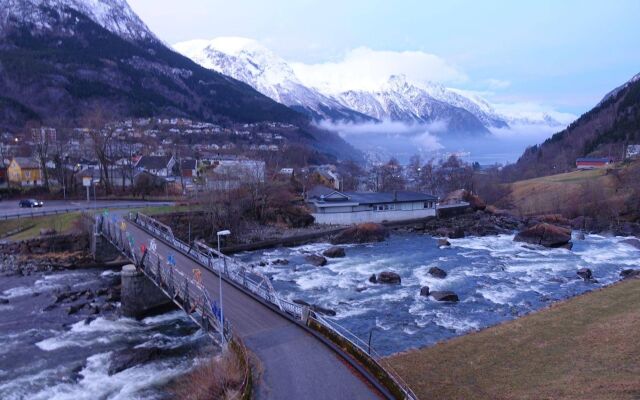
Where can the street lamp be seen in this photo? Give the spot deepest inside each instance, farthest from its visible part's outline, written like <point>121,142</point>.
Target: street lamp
<point>221,233</point>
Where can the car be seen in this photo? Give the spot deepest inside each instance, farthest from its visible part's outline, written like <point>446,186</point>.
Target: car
<point>30,203</point>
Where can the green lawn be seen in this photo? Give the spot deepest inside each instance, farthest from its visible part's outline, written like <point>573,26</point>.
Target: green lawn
<point>584,348</point>
<point>62,223</point>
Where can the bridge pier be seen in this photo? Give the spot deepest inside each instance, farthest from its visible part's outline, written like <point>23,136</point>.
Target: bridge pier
<point>140,296</point>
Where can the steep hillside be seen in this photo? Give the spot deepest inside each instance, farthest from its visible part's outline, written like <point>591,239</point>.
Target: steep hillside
<point>62,59</point>
<point>603,131</point>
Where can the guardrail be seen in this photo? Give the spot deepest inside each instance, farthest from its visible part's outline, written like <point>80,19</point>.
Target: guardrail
<point>31,213</point>
<point>260,285</point>
<point>188,293</point>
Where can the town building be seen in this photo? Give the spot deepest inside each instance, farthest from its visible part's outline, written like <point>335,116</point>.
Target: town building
<point>25,171</point>
<point>633,151</point>
<point>189,168</point>
<point>228,174</point>
<point>344,208</point>
<point>593,163</point>
<point>156,165</point>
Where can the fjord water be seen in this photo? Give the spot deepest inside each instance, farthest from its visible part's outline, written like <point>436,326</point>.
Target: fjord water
<point>51,355</point>
<point>496,279</point>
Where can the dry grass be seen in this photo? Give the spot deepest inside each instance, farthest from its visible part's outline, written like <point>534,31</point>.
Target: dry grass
<point>218,378</point>
<point>62,223</point>
<point>569,193</point>
<point>584,348</point>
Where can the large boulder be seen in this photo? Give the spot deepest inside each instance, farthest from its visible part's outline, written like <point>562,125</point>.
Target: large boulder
<point>632,242</point>
<point>129,358</point>
<point>334,252</point>
<point>586,274</point>
<point>475,202</point>
<point>443,243</point>
<point>437,272</point>
<point>316,260</point>
<point>545,235</point>
<point>445,295</point>
<point>424,291</point>
<point>362,233</point>
<point>388,277</point>
<point>630,273</point>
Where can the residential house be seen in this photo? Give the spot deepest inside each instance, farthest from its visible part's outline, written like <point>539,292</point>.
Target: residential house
<point>25,171</point>
<point>3,175</point>
<point>326,177</point>
<point>189,168</point>
<point>156,165</point>
<point>633,151</point>
<point>345,208</point>
<point>227,174</point>
<point>593,163</point>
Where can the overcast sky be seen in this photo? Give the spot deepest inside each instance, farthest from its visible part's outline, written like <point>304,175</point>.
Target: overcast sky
<point>561,54</point>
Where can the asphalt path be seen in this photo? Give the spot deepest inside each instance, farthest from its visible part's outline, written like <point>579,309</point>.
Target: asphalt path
<point>294,364</point>
<point>10,208</point>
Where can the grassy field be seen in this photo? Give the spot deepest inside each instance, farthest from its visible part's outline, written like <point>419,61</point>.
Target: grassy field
<point>584,348</point>
<point>155,210</point>
<point>62,223</point>
<point>572,193</point>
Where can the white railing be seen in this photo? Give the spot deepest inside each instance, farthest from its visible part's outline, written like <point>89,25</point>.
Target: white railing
<point>260,285</point>
<point>218,263</point>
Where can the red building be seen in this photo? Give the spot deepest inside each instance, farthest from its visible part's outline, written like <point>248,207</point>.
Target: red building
<point>593,163</point>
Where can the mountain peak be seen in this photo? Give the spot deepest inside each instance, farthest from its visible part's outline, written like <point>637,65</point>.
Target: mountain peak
<point>115,16</point>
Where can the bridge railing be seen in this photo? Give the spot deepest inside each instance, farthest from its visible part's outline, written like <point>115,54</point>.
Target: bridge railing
<point>260,285</point>
<point>188,293</point>
<point>243,275</point>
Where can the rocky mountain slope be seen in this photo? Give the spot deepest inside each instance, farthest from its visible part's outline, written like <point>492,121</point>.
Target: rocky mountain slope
<point>604,131</point>
<point>398,99</point>
<point>252,63</point>
<point>64,59</point>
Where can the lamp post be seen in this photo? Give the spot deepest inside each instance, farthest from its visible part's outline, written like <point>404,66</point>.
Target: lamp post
<point>221,233</point>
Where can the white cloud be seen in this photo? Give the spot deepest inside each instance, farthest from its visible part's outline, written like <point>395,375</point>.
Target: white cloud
<point>497,84</point>
<point>366,69</point>
<point>533,111</point>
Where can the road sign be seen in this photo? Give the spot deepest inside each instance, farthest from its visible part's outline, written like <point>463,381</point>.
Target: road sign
<point>86,181</point>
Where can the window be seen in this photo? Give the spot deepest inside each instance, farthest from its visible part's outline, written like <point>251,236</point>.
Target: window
<point>428,204</point>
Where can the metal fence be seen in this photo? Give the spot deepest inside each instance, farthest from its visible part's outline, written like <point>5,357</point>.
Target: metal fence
<point>185,291</point>
<point>260,285</point>
<point>33,213</point>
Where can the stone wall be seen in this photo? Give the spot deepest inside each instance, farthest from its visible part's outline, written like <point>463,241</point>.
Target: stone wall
<point>140,297</point>
<point>47,244</point>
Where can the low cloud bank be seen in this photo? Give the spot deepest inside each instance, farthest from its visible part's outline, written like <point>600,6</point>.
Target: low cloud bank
<point>383,140</point>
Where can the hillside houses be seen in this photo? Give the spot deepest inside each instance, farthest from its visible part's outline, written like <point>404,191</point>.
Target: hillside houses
<point>161,166</point>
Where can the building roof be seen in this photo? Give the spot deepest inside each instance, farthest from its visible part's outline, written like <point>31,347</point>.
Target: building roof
<point>188,164</point>
<point>593,160</point>
<point>26,162</point>
<point>323,195</point>
<point>153,162</point>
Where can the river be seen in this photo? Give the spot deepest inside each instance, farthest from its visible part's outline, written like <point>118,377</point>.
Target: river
<point>496,279</point>
<point>47,354</point>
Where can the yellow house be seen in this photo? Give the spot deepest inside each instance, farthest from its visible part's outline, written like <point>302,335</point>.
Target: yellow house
<point>24,172</point>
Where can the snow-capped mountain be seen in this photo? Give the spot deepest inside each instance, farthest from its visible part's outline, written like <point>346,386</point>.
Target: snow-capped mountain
<point>400,100</point>
<point>250,62</point>
<point>114,15</point>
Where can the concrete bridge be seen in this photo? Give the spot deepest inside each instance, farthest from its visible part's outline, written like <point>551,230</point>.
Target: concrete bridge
<point>301,355</point>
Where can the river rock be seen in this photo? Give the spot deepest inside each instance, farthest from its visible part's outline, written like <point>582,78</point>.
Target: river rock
<point>630,273</point>
<point>334,252</point>
<point>373,278</point>
<point>437,272</point>
<point>362,233</point>
<point>545,235</point>
<point>316,260</point>
<point>4,301</point>
<point>129,358</point>
<point>580,236</point>
<point>632,242</point>
<point>75,308</point>
<point>424,291</point>
<point>280,261</point>
<point>323,310</point>
<point>389,277</point>
<point>443,243</point>
<point>586,274</point>
<point>445,296</point>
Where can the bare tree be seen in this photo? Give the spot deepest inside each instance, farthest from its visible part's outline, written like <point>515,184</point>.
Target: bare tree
<point>102,140</point>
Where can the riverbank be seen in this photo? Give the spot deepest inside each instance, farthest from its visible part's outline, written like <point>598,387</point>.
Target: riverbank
<point>581,348</point>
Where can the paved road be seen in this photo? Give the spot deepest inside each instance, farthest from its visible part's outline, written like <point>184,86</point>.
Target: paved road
<point>10,208</point>
<point>295,365</point>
